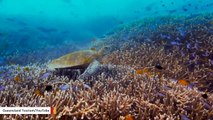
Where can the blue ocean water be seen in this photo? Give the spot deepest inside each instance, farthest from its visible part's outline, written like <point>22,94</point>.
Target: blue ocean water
<point>34,29</point>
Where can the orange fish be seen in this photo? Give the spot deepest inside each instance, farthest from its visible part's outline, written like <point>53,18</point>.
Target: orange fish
<point>139,71</point>
<point>146,70</point>
<point>183,82</point>
<point>17,78</point>
<point>38,92</point>
<point>142,71</point>
<point>129,117</point>
<point>149,74</point>
<point>27,69</point>
<point>157,73</point>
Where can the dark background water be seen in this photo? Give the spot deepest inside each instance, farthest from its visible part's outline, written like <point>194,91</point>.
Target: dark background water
<point>32,29</point>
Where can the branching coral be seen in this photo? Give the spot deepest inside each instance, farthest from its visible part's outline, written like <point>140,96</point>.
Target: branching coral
<point>138,95</point>
<point>149,93</point>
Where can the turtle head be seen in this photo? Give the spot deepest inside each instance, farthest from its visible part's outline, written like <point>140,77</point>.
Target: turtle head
<point>51,66</point>
<point>104,51</point>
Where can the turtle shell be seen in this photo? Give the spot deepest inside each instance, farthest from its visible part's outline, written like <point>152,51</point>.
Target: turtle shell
<point>78,59</point>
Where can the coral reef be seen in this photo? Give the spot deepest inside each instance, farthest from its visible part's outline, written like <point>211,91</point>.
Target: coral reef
<point>160,72</point>
<point>183,48</point>
<point>109,98</point>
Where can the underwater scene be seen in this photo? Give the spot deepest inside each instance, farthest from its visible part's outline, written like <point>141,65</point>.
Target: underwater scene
<point>107,59</point>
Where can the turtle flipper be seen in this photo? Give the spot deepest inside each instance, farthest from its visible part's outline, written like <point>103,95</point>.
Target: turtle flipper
<point>91,70</point>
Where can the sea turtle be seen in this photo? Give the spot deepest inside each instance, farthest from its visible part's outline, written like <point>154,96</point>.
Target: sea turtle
<point>75,63</point>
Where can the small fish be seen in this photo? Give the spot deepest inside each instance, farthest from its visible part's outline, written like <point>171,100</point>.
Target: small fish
<point>172,11</point>
<point>75,88</point>
<point>206,54</point>
<point>178,39</point>
<point>161,94</point>
<point>144,71</point>
<point>48,88</point>
<point>139,71</point>
<point>136,11</point>
<point>17,78</point>
<point>167,87</point>
<point>38,92</point>
<point>168,37</point>
<point>182,54</point>
<point>148,8</point>
<point>64,87</point>
<point>191,57</point>
<point>184,117</point>
<point>207,106</point>
<point>185,9</point>
<point>94,49</point>
<point>205,96</point>
<point>46,30</point>
<point>158,67</point>
<point>204,59</point>
<point>149,74</point>
<point>174,43</point>
<point>26,69</point>
<point>157,73</point>
<point>18,68</point>
<point>29,78</point>
<point>163,42</point>
<point>2,88</point>
<point>183,82</point>
<point>129,117</point>
<point>188,46</point>
<point>156,12</point>
<point>87,86</point>
<point>196,46</point>
<point>10,19</point>
<point>190,86</point>
<point>45,75</point>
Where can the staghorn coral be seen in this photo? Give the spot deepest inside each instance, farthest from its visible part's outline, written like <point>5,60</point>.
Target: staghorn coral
<point>175,65</point>
<point>110,98</point>
<point>184,49</point>
<point>155,94</point>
